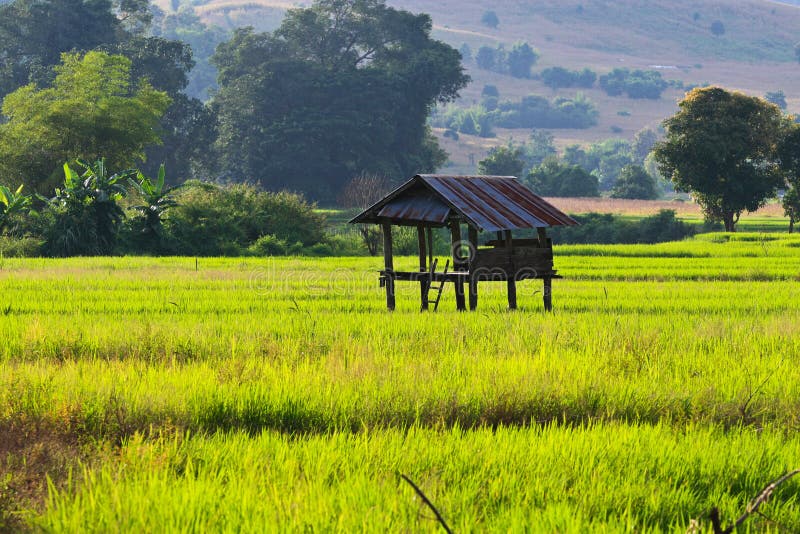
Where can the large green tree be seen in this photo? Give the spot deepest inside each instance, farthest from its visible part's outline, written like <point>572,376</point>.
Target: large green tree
<point>92,109</point>
<point>34,34</point>
<point>343,87</point>
<point>722,147</point>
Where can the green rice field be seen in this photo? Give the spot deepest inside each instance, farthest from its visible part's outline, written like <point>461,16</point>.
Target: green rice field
<point>278,394</point>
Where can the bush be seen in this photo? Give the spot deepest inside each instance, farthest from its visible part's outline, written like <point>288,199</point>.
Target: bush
<point>604,228</point>
<point>268,245</point>
<point>636,183</point>
<point>559,77</point>
<point>490,19</point>
<point>213,220</point>
<point>20,247</point>
<point>537,112</point>
<point>557,179</point>
<point>636,84</point>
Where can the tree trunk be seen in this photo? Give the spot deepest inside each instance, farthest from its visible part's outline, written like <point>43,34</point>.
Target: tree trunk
<point>791,223</point>
<point>729,221</point>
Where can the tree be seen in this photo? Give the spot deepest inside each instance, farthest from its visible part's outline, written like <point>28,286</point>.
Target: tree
<point>502,161</point>
<point>643,143</point>
<point>466,53</point>
<point>722,148</point>
<point>485,58</point>
<point>717,28</point>
<point>155,198</point>
<point>86,215</point>
<point>340,88</point>
<point>360,193</point>
<point>558,179</point>
<point>489,18</point>
<point>635,182</point>
<point>91,109</point>
<point>776,97</point>
<point>789,153</point>
<point>33,35</point>
<point>520,60</point>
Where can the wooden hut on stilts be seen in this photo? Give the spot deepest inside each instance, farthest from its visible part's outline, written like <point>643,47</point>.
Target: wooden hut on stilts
<point>496,204</point>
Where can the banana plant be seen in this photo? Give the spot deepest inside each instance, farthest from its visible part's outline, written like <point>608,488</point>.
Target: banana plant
<point>12,202</point>
<point>156,199</point>
<point>89,200</point>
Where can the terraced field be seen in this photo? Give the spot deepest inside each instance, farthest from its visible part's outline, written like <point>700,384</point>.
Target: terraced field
<point>141,394</point>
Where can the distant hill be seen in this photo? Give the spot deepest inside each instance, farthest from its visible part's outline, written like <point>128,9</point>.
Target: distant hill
<point>754,52</point>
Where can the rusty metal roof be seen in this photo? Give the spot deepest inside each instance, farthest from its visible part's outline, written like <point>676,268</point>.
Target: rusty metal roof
<point>490,203</point>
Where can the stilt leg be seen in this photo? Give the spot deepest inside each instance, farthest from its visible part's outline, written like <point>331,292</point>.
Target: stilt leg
<point>548,294</point>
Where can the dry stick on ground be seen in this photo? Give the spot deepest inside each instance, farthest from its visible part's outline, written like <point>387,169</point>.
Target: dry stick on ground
<point>752,507</point>
<point>429,503</point>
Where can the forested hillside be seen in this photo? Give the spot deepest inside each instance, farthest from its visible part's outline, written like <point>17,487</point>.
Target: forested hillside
<point>746,45</point>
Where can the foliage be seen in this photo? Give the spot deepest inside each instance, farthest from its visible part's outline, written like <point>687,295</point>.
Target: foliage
<point>361,192</point>
<point>502,161</point>
<point>517,62</point>
<point>559,77</point>
<point>643,143</point>
<point>635,182</point>
<point>84,217</point>
<point>339,88</point>
<point>520,60</point>
<point>558,179</point>
<point>776,97</point>
<point>635,84</point>
<point>12,203</point>
<point>722,147</point>
<point>489,18</point>
<point>155,198</point>
<point>789,154</point>
<point>91,109</point>
<point>184,25</point>
<point>537,112</point>
<point>212,220</point>
<point>604,159</point>
<point>607,228</point>
<point>33,36</point>
<point>465,51</point>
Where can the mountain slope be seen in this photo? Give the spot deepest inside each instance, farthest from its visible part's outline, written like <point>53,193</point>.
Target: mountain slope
<point>755,53</point>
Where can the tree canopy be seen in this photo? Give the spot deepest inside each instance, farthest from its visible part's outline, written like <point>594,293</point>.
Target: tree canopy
<point>91,110</point>
<point>343,87</point>
<point>722,147</point>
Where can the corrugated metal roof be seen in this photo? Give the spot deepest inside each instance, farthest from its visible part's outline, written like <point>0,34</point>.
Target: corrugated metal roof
<point>416,208</point>
<point>491,203</point>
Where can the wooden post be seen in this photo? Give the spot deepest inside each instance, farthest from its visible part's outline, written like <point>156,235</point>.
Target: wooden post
<point>424,283</point>
<point>473,279</point>
<point>388,265</point>
<point>542,232</point>
<point>455,243</point>
<point>547,294</point>
<point>429,234</point>
<point>511,275</point>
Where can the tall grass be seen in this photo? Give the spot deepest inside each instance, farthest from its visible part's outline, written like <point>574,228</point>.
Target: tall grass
<point>238,394</point>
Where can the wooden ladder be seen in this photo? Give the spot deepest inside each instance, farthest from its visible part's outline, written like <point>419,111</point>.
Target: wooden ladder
<point>438,288</point>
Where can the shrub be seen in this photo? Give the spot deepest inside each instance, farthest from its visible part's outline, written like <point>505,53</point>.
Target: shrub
<point>558,179</point>
<point>489,18</point>
<point>604,228</point>
<point>559,77</point>
<point>537,112</point>
<point>215,220</point>
<point>635,182</point>
<point>636,84</point>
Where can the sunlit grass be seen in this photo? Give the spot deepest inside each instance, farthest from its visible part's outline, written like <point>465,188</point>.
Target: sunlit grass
<point>279,391</point>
